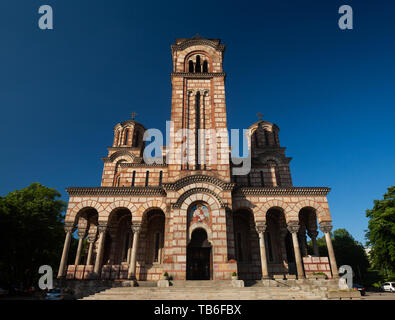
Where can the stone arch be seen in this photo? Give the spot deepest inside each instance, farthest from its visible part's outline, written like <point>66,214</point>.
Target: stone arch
<point>320,212</point>
<point>199,194</point>
<point>200,225</point>
<point>122,155</point>
<point>201,53</point>
<point>148,206</point>
<point>71,217</point>
<point>273,204</point>
<point>117,204</point>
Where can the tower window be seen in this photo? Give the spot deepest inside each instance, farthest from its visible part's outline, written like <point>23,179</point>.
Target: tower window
<point>146,178</point>
<point>160,178</point>
<point>133,178</point>
<point>278,178</point>
<point>191,66</point>
<point>262,179</point>
<point>125,138</point>
<point>266,138</point>
<point>198,68</point>
<point>136,138</point>
<point>205,66</point>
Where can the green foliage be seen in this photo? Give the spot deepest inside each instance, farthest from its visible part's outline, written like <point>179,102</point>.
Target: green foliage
<point>348,251</point>
<point>381,233</point>
<point>32,233</point>
<point>234,274</point>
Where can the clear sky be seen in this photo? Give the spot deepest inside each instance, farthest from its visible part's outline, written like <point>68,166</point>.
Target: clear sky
<point>331,92</point>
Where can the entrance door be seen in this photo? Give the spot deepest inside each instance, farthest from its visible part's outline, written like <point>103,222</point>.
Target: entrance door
<point>198,256</point>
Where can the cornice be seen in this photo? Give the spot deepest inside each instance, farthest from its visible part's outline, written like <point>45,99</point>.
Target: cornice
<point>116,191</point>
<point>206,75</point>
<point>198,41</point>
<point>274,191</point>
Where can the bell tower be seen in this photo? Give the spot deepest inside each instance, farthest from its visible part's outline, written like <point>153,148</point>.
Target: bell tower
<point>198,112</point>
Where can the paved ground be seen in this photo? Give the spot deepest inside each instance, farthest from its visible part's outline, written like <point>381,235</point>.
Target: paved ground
<point>378,296</point>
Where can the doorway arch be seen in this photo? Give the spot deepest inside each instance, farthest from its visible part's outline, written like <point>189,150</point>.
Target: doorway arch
<point>199,256</point>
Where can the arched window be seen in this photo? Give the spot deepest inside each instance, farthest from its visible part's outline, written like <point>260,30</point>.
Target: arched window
<point>146,178</point>
<point>125,137</point>
<point>136,138</point>
<point>278,177</point>
<point>191,66</point>
<point>133,178</point>
<point>267,138</point>
<point>198,68</point>
<point>255,138</point>
<point>116,138</point>
<point>205,66</point>
<point>275,137</point>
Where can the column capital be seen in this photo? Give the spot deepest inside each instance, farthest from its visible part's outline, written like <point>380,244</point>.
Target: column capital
<point>325,226</point>
<point>312,233</point>
<point>91,237</point>
<point>102,227</point>
<point>293,226</point>
<point>81,234</point>
<point>260,227</point>
<point>136,227</point>
<point>69,227</point>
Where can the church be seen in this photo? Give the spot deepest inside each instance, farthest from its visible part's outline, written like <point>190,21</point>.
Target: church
<point>190,219</point>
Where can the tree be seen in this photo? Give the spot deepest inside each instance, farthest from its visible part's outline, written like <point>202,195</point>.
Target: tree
<point>381,232</point>
<point>348,251</point>
<point>32,233</point>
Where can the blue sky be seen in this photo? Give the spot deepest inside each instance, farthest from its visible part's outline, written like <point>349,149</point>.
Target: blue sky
<point>331,92</point>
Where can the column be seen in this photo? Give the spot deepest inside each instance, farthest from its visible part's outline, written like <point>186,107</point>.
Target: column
<point>136,227</point>
<point>313,236</point>
<point>303,241</point>
<point>81,235</point>
<point>293,227</point>
<point>99,255</point>
<point>129,248</point>
<point>261,228</point>
<point>68,228</point>
<point>326,228</point>
<point>91,241</point>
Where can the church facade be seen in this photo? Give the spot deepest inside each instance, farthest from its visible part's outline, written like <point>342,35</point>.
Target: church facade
<point>196,219</point>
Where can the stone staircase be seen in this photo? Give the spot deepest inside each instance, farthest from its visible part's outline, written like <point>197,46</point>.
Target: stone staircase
<point>203,290</point>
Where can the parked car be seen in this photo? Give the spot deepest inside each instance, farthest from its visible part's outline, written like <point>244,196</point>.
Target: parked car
<point>360,288</point>
<point>388,286</point>
<point>54,294</point>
